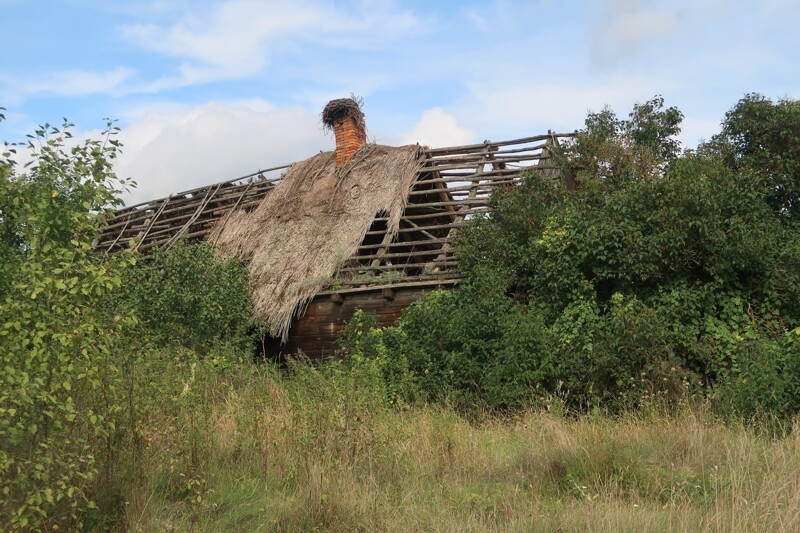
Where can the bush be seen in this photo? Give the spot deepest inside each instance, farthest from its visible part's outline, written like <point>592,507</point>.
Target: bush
<point>187,297</point>
<point>475,346</point>
<point>659,273</point>
<point>60,388</point>
<point>443,349</point>
<point>368,348</point>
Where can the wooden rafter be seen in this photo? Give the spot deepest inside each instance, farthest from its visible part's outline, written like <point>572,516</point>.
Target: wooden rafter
<point>453,185</point>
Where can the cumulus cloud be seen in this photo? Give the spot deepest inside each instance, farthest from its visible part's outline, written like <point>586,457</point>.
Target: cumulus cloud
<point>235,38</point>
<point>530,106</point>
<point>438,128</point>
<point>171,148</point>
<point>70,82</point>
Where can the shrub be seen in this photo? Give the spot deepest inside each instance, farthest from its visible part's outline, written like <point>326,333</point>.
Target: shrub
<point>658,273</point>
<point>368,347</point>
<point>60,388</point>
<point>187,297</point>
<point>477,353</point>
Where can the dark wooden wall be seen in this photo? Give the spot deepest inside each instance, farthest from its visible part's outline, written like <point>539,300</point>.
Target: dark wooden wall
<point>315,332</point>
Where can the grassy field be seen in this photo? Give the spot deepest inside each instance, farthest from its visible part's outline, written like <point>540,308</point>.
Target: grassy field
<point>238,450</point>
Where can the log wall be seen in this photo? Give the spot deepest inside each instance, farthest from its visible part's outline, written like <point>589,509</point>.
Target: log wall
<point>316,331</point>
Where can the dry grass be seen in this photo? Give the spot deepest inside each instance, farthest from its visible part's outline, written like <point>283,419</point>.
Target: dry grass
<point>256,453</point>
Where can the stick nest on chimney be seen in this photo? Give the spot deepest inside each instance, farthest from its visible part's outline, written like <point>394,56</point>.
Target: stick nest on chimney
<point>342,108</point>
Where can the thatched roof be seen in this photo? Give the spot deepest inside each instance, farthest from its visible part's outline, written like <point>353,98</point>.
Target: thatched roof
<point>449,186</point>
<point>312,222</point>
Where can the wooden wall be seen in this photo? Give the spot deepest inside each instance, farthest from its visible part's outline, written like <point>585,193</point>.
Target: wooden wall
<point>315,332</point>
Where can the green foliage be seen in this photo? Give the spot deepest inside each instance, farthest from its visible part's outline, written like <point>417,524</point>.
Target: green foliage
<point>617,150</point>
<point>82,334</point>
<point>763,137</point>
<point>367,347</point>
<point>617,358</point>
<point>476,347</point>
<point>59,385</point>
<point>187,297</point>
<point>661,274</point>
<point>453,347</point>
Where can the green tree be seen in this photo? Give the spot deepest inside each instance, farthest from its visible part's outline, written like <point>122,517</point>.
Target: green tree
<point>59,351</point>
<point>619,150</point>
<point>762,137</point>
<point>662,271</point>
<point>190,298</point>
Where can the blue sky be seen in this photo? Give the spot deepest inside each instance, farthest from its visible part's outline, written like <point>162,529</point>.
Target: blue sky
<point>207,90</point>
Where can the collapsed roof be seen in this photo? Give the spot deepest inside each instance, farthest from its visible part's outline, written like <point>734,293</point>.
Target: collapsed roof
<point>307,228</point>
<point>376,218</point>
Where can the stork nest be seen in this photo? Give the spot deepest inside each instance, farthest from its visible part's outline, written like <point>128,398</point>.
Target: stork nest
<point>343,108</point>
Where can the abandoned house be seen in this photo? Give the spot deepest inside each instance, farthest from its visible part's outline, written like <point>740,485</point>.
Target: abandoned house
<point>364,226</point>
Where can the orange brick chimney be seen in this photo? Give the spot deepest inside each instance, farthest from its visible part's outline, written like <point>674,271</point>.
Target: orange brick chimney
<point>350,137</point>
<point>345,118</point>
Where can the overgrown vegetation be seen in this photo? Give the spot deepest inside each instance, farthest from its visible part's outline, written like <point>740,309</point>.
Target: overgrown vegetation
<point>60,355</point>
<point>78,328</point>
<point>319,448</point>
<point>188,298</point>
<point>664,274</point>
<point>662,291</point>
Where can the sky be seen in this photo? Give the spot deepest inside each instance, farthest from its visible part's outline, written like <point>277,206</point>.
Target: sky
<point>210,90</point>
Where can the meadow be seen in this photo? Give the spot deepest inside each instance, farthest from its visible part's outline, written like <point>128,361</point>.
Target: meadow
<point>243,449</point>
<point>624,355</point>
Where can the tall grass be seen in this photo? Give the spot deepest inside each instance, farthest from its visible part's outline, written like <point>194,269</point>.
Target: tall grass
<point>243,449</point>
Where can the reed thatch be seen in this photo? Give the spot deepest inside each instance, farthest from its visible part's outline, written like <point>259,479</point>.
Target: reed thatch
<point>312,221</point>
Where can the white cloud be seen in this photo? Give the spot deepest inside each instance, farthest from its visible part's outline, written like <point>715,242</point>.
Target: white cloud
<point>170,148</point>
<point>70,82</point>
<point>530,106</point>
<point>437,128</point>
<point>627,26</point>
<point>235,39</point>
<point>527,106</point>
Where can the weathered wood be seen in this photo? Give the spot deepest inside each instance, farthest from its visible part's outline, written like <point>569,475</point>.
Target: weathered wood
<point>400,267</point>
<point>197,213</point>
<point>400,279</point>
<point>453,186</point>
<point>234,181</point>
<point>478,147</point>
<point>316,330</point>
<point>398,244</point>
<point>454,279</point>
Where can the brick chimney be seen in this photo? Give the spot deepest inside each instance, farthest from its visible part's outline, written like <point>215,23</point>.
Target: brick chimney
<point>345,118</point>
<point>350,137</point>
